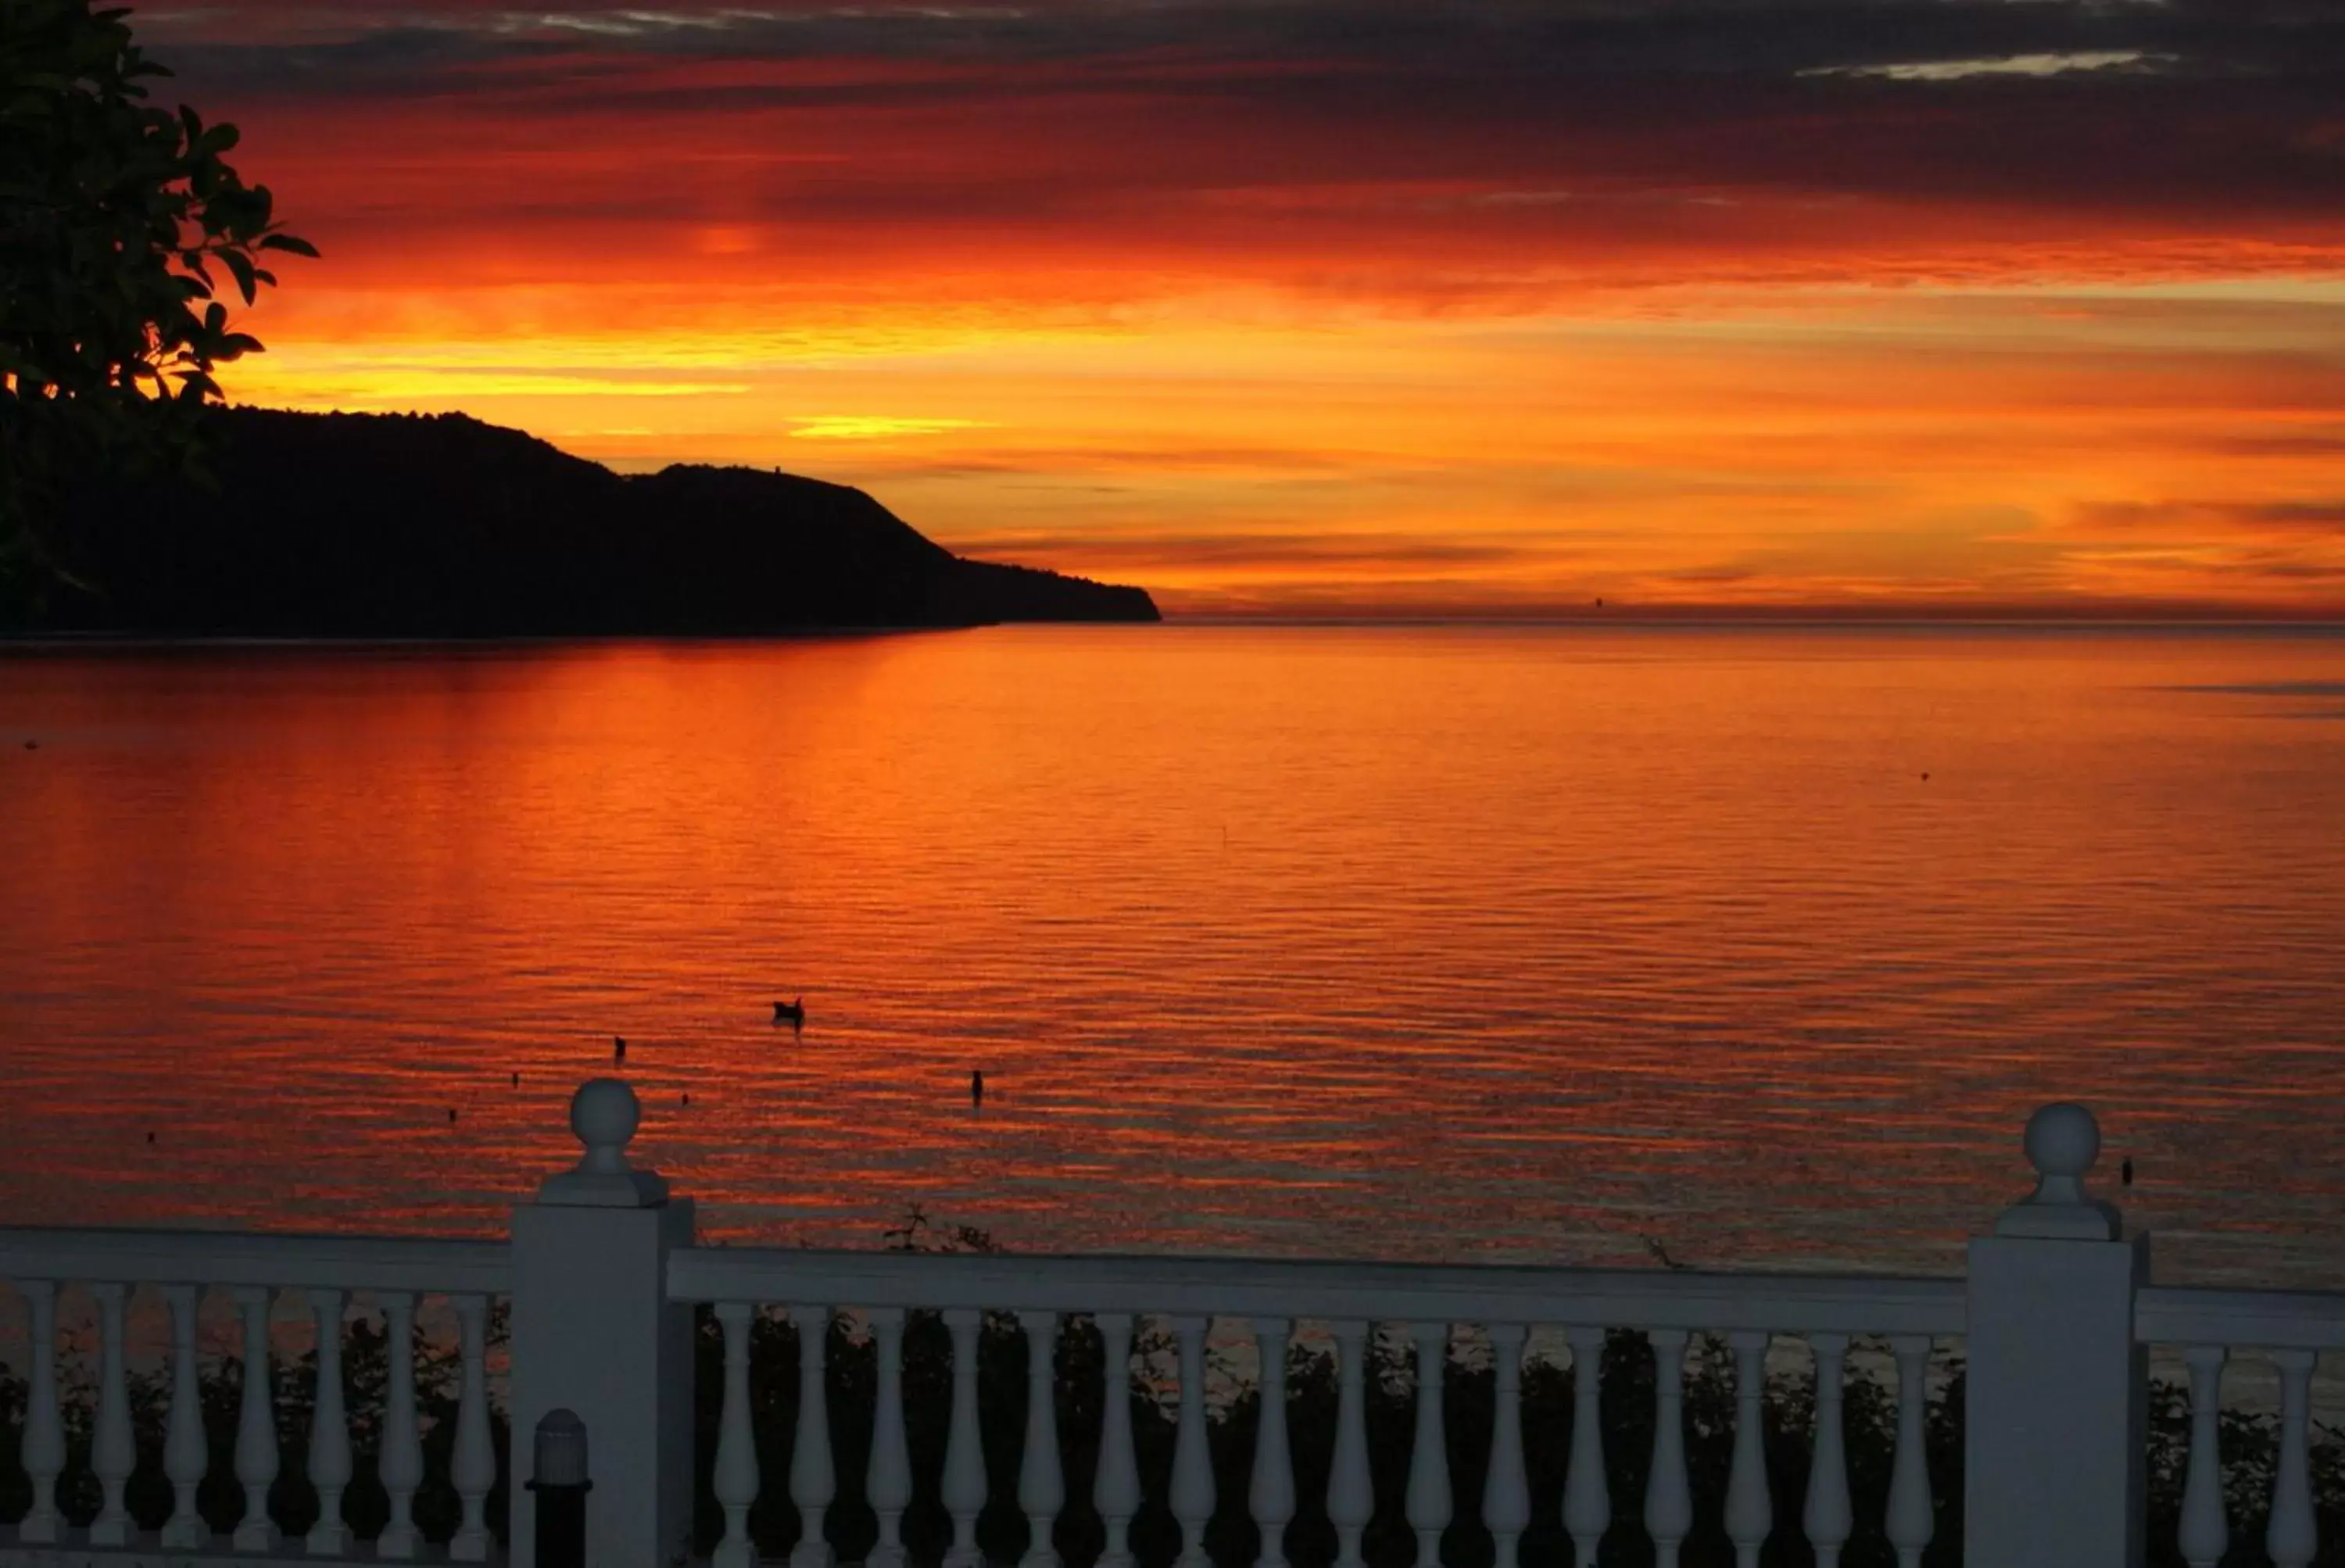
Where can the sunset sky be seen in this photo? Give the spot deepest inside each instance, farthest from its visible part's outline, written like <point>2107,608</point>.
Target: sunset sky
<point>1320,307</point>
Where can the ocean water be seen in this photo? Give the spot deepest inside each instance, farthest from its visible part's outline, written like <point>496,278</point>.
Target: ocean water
<point>1421,942</point>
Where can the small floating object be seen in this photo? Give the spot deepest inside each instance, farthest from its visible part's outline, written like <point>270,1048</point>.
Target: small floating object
<point>452,1115</point>
<point>618,1047</point>
<point>1925,777</point>
<point>687,1096</point>
<point>516,1080</point>
<point>791,1012</point>
<point>150,1137</point>
<point>976,1087</point>
<point>2125,1173</point>
<point>31,746</point>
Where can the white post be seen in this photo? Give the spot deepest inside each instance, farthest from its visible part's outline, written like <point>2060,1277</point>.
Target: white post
<point>2054,1452</point>
<point>1749,1511</point>
<point>1827,1516</point>
<point>2206,1532</point>
<point>330,1430</point>
<point>594,1330</point>
<point>256,1426</point>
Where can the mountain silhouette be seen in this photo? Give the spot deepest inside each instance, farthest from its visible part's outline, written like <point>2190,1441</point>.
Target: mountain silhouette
<point>341,525</point>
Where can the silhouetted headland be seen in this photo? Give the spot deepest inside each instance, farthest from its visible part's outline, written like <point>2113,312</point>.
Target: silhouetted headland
<point>440,525</point>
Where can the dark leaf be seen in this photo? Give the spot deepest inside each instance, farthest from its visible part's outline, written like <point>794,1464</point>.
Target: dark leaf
<point>240,265</point>
<point>288,242</point>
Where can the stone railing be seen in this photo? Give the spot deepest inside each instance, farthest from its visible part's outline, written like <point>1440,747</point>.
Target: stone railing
<point>605,1281</point>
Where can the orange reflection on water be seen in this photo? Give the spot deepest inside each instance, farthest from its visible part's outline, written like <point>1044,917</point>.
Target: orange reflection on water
<point>1413,943</point>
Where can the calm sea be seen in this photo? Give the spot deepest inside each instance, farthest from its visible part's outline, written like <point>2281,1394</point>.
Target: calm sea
<point>1410,943</point>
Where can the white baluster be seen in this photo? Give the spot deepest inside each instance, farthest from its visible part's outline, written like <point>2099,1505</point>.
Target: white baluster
<point>1351,1490</point>
<point>1507,1490</point>
<point>736,1481</point>
<point>1191,1498</point>
<point>44,1443</point>
<point>1271,1495</point>
<point>2292,1537</point>
<point>1669,1496</point>
<point>329,1431</point>
<point>964,1478</point>
<point>2206,1533</point>
<point>1827,1518</point>
<point>1910,1521</point>
<point>1749,1514</point>
<point>1041,1488</point>
<point>1429,1454</point>
<point>256,1426</point>
<point>186,1455</point>
<point>1115,1490</point>
<point>812,1481</point>
<point>887,1478</point>
<point>113,1455</point>
<point>401,1464</point>
<point>1587,1492</point>
<point>473,1467</point>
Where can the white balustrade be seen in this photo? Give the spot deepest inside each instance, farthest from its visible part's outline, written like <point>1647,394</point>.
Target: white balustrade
<point>330,1430</point>
<point>1115,1490</point>
<point>1506,1489</point>
<point>1351,1492</point>
<point>112,1456</point>
<point>1192,1499</point>
<point>1586,1491</point>
<point>812,1481</point>
<point>1269,1494</point>
<point>736,1441</point>
<point>1434,1303</point>
<point>1827,1516</point>
<point>1428,1457</point>
<point>1041,1486</point>
<point>1750,1513</point>
<point>2291,1538</point>
<point>473,1467</point>
<point>1911,1520</point>
<point>964,1478</point>
<point>887,1477</point>
<point>400,1466</point>
<point>186,1454</point>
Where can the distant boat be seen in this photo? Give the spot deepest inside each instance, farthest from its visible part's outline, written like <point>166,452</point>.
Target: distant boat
<point>791,1012</point>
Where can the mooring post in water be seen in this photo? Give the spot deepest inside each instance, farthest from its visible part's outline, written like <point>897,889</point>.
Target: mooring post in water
<point>559,1479</point>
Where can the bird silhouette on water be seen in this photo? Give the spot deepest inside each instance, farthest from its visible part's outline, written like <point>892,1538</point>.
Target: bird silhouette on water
<point>2125,1172</point>
<point>516,1080</point>
<point>618,1047</point>
<point>976,1087</point>
<point>791,1012</point>
<point>452,1115</point>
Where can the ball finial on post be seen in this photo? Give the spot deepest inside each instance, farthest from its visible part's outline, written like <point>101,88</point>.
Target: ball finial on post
<point>2062,1143</point>
<point>604,1114</point>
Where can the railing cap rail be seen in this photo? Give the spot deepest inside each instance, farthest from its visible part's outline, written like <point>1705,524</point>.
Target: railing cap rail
<point>1323,1290</point>
<point>450,1265</point>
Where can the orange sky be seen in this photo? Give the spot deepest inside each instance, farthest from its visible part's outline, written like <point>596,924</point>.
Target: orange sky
<point>1318,308</point>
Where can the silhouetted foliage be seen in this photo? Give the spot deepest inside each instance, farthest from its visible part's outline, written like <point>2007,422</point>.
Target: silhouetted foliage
<point>113,214</point>
<point>402,525</point>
